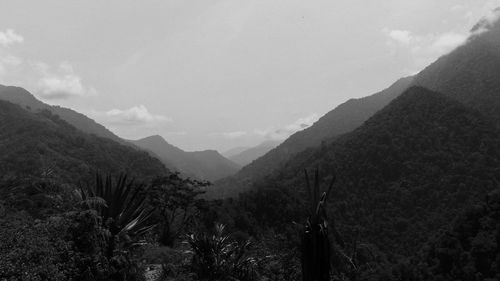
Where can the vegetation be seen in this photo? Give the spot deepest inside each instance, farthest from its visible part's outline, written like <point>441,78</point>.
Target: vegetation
<point>36,143</point>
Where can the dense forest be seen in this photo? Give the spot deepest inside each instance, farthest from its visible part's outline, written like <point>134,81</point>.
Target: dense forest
<point>42,143</point>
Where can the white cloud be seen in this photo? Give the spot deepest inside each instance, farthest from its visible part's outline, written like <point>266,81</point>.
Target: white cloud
<point>285,132</point>
<point>400,36</point>
<point>487,22</point>
<point>10,37</point>
<point>62,83</point>
<point>424,49</point>
<point>135,115</point>
<point>234,135</point>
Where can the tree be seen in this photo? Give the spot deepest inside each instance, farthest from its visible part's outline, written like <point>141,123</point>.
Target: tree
<point>121,205</point>
<point>175,201</point>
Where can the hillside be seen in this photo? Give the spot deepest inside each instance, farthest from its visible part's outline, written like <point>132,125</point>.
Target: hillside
<point>35,144</point>
<point>248,155</point>
<point>401,177</point>
<point>26,100</point>
<point>469,74</point>
<point>344,118</point>
<point>204,165</point>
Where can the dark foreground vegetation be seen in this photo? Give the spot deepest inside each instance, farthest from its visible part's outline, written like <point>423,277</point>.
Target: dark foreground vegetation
<point>114,228</point>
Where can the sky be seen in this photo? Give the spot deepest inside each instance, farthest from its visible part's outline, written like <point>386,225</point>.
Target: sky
<point>217,74</point>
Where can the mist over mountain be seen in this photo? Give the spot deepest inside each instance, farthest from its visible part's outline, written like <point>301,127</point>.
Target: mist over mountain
<point>245,156</point>
<point>204,165</point>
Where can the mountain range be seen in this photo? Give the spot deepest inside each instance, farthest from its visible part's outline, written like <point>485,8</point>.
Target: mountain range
<point>203,165</point>
<point>246,155</point>
<point>401,176</point>
<point>469,74</point>
<point>41,144</point>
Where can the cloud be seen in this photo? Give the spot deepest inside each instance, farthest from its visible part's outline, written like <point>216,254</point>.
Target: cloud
<point>288,130</point>
<point>423,49</point>
<point>487,22</point>
<point>61,83</point>
<point>234,135</point>
<point>400,36</point>
<point>136,115</point>
<point>10,37</point>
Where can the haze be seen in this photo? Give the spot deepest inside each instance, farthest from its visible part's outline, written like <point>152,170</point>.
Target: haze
<point>221,74</point>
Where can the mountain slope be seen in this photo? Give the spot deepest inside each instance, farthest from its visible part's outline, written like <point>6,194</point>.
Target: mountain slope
<point>26,100</point>
<point>344,118</point>
<point>248,155</point>
<point>38,143</point>
<point>204,165</point>
<point>469,74</point>
<point>401,177</point>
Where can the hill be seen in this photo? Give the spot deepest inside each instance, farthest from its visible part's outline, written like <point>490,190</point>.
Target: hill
<point>401,177</point>
<point>344,118</point>
<point>248,155</point>
<point>26,100</point>
<point>41,143</point>
<point>469,74</point>
<point>204,165</point>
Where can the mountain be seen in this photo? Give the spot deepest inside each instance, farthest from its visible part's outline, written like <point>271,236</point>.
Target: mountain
<point>234,151</point>
<point>469,74</point>
<point>41,143</point>
<point>344,118</point>
<point>401,177</point>
<point>246,156</point>
<point>26,100</point>
<point>204,165</point>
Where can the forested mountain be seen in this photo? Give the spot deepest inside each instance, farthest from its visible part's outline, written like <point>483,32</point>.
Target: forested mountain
<point>401,177</point>
<point>41,144</point>
<point>204,165</point>
<point>344,118</point>
<point>26,100</point>
<point>248,155</point>
<point>469,74</point>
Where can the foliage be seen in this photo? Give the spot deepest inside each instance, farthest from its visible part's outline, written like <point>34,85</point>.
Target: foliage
<point>176,204</point>
<point>122,210</point>
<point>218,257</point>
<point>36,143</point>
<point>316,245</point>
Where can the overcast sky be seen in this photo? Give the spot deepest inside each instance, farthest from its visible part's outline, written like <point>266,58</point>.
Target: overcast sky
<point>221,73</point>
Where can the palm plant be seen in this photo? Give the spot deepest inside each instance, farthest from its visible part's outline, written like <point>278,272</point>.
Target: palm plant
<point>121,205</point>
<point>316,245</point>
<point>217,257</point>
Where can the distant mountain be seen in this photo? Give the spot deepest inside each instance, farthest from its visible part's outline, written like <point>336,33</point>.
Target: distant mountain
<point>234,151</point>
<point>344,118</point>
<point>26,100</point>
<point>204,165</point>
<point>248,155</point>
<point>43,144</point>
<point>401,177</point>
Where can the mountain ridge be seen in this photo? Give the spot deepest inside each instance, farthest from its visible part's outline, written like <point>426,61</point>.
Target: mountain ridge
<point>203,165</point>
